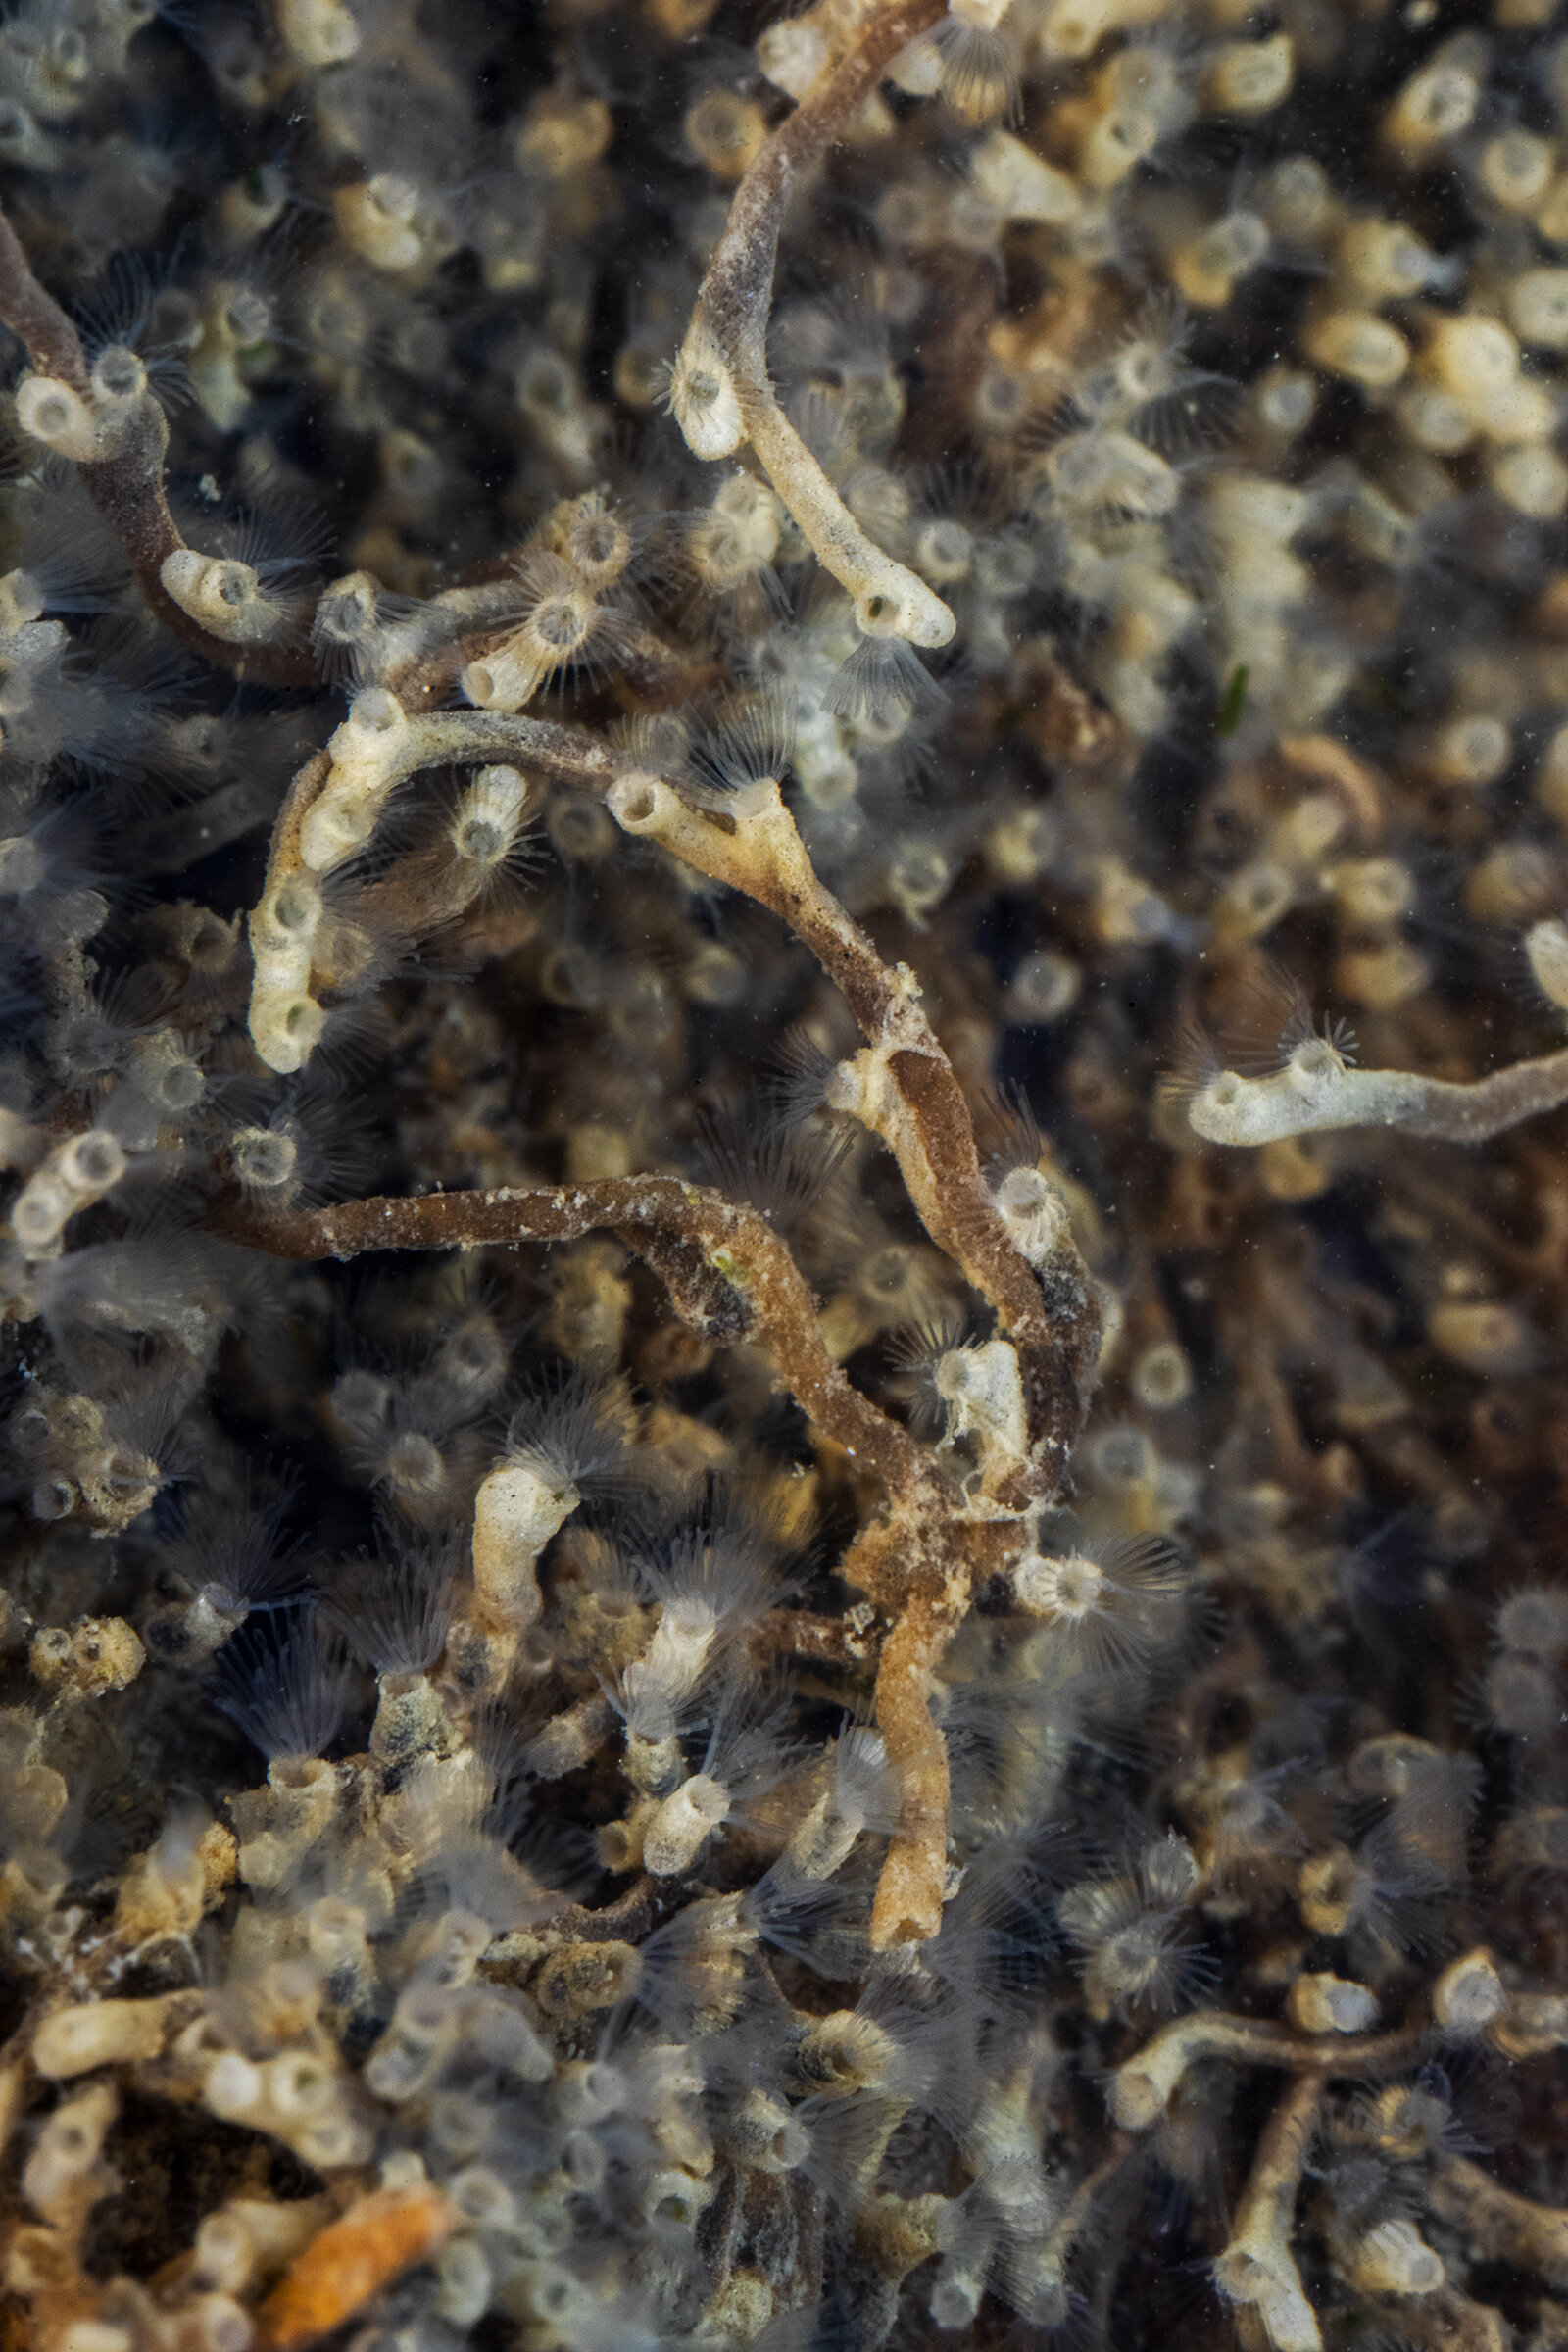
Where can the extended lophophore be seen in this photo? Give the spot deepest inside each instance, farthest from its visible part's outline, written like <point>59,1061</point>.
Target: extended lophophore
<point>783,836</point>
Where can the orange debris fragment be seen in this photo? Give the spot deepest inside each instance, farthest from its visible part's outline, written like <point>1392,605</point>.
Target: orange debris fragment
<point>378,2237</point>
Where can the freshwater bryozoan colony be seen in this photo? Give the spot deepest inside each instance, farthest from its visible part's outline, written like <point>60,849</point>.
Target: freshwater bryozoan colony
<point>783,835</point>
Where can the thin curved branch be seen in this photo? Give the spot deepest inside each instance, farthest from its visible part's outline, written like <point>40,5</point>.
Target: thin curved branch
<point>1500,2224</point>
<point>724,1265</point>
<point>1317,1091</point>
<point>737,285</point>
<point>720,391</point>
<point>53,343</point>
<point>566,755</point>
<point>903,1088</point>
<point>1257,2268</point>
<point>1142,2088</point>
<point>908,1905</point>
<point>126,486</point>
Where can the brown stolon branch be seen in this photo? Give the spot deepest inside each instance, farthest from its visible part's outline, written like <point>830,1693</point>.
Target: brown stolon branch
<point>1498,2225</point>
<point>729,1273</point>
<point>1258,2269</point>
<point>1141,2088</point>
<point>109,425</point>
<point>903,1085</point>
<point>720,392</point>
